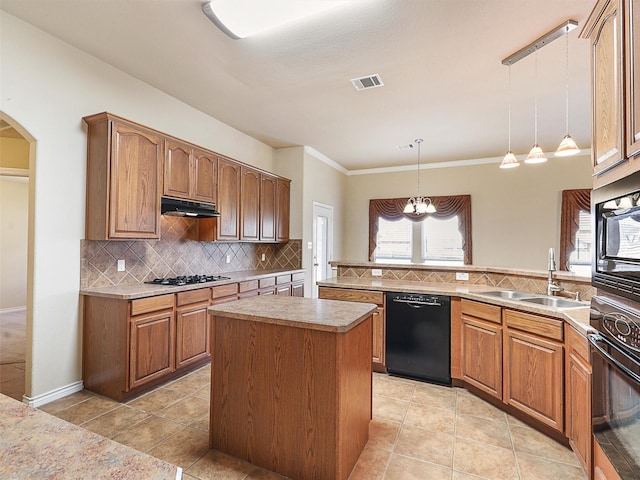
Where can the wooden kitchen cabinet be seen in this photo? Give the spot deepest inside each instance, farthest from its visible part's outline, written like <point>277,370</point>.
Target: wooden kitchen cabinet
<point>297,287</point>
<point>152,347</point>
<point>192,327</point>
<point>249,204</point>
<point>283,201</point>
<point>482,346</point>
<point>205,185</point>
<point>228,224</point>
<point>632,79</point>
<point>534,366</point>
<point>124,178</point>
<point>189,173</point>
<point>268,206</point>
<point>379,317</point>
<point>578,397</point>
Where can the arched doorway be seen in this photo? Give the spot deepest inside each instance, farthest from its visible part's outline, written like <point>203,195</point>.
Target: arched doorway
<point>16,155</point>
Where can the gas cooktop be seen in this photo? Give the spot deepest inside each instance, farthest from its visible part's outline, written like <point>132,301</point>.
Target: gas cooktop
<point>187,280</point>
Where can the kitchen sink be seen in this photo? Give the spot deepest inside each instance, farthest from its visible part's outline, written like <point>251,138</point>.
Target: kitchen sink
<point>511,294</point>
<point>554,302</point>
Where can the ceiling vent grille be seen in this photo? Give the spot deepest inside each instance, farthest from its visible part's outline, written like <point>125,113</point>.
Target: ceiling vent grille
<point>370,81</point>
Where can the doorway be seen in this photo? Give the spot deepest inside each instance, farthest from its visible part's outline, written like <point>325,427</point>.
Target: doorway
<point>322,251</point>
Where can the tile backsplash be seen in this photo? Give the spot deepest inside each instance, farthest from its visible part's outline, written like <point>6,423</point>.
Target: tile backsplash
<point>175,254</point>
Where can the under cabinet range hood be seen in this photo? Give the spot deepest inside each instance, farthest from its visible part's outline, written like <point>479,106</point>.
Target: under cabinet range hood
<point>185,208</point>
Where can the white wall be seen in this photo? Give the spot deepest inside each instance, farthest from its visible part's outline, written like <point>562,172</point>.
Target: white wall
<point>515,213</point>
<point>47,86</point>
<point>14,215</point>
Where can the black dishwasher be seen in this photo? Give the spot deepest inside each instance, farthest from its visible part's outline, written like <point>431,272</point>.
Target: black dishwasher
<point>418,336</point>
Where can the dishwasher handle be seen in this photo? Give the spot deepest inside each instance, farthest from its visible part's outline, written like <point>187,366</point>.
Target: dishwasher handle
<point>418,304</point>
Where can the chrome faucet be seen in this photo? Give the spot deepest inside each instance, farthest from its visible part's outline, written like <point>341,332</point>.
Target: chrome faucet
<point>553,287</point>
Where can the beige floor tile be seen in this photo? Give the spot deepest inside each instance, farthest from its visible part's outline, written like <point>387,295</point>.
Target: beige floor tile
<point>538,468</point>
<point>183,449</point>
<point>487,461</point>
<point>493,432</point>
<point>405,468</point>
<point>466,476</point>
<point>528,440</point>
<point>432,447</point>
<point>66,402</point>
<point>515,421</point>
<point>201,424</point>
<point>115,421</point>
<point>389,408</point>
<point>218,466</point>
<point>467,404</point>
<point>148,433</point>
<point>188,384</point>
<point>204,392</point>
<point>262,474</point>
<point>383,433</point>
<point>435,396</point>
<point>371,464</point>
<point>13,388</point>
<point>156,400</point>
<point>431,418</point>
<point>186,411</point>
<point>394,387</point>
<point>186,476</point>
<point>89,409</point>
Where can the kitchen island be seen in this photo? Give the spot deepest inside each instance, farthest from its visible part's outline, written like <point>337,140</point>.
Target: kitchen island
<point>291,384</point>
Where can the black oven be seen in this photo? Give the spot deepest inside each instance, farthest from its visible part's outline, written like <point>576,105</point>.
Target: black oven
<point>615,359</point>
<point>616,266</point>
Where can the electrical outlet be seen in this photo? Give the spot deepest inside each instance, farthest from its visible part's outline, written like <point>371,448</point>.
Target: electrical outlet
<point>376,272</point>
<point>121,267</point>
<point>263,257</point>
<point>309,245</point>
<point>228,258</point>
<point>462,276</point>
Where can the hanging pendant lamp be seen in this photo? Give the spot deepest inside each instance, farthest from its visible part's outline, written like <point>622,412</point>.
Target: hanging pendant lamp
<point>419,205</point>
<point>567,146</point>
<point>536,155</point>
<point>509,160</point>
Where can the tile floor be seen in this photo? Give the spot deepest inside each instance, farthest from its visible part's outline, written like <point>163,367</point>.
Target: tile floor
<point>13,330</point>
<point>419,431</point>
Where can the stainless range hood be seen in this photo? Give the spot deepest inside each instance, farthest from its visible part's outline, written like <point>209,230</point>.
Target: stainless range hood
<point>184,208</point>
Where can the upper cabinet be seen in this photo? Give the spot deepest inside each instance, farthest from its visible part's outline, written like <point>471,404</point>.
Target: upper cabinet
<point>282,209</point>
<point>611,29</point>
<point>124,177</point>
<point>249,204</point>
<point>228,224</point>
<point>189,173</point>
<point>268,188</point>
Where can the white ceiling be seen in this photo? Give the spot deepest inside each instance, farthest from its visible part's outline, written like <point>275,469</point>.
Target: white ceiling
<point>440,61</point>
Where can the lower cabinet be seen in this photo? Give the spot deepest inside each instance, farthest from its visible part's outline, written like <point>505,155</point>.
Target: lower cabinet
<point>152,351</point>
<point>192,327</point>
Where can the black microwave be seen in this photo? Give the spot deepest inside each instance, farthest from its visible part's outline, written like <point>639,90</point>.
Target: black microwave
<point>616,210</point>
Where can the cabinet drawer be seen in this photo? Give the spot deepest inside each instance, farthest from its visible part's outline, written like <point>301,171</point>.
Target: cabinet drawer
<point>193,296</point>
<point>349,295</point>
<point>578,345</point>
<point>248,286</point>
<point>298,277</point>
<point>224,290</point>
<point>267,282</point>
<point>281,279</point>
<point>543,326</point>
<point>481,310</point>
<point>151,304</point>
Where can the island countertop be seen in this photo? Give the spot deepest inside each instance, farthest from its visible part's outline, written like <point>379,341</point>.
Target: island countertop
<point>309,313</point>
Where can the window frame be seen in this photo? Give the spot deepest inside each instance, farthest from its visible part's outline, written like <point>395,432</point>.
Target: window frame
<point>573,202</point>
<point>446,207</point>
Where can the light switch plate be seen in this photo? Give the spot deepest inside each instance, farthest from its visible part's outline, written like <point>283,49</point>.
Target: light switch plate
<point>309,245</point>
<point>376,272</point>
<point>263,257</point>
<point>228,258</point>
<point>121,265</point>
<point>462,276</point>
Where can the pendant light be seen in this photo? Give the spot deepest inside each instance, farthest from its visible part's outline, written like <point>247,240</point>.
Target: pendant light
<point>567,145</point>
<point>509,160</point>
<point>419,205</point>
<point>536,155</point>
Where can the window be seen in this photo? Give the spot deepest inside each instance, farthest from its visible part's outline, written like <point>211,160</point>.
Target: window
<point>576,237</point>
<point>442,238</point>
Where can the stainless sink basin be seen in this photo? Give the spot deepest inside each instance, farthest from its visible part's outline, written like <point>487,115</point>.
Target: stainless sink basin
<point>511,294</point>
<point>554,302</point>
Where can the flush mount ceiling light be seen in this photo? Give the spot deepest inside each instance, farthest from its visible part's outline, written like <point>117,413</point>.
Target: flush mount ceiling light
<point>567,145</point>
<point>419,205</point>
<point>242,18</point>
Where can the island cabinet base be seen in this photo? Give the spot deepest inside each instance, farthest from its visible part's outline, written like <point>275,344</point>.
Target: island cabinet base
<point>293,400</point>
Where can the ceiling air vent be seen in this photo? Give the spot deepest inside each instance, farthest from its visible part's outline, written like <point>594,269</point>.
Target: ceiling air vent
<point>370,81</point>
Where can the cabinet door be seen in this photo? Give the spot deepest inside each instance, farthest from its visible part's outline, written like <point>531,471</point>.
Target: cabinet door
<point>297,290</point>
<point>378,336</point>
<point>152,347</point>
<point>533,377</point>
<point>284,290</point>
<point>283,193</point>
<point>228,224</point>
<point>249,204</point>
<point>607,118</point>
<point>134,200</point>
<point>177,170</point>
<point>192,334</point>
<point>632,77</point>
<point>204,177</point>
<point>482,355</point>
<point>578,391</point>
<point>268,187</point>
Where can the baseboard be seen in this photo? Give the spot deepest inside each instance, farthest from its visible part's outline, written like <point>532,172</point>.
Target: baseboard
<point>13,310</point>
<point>52,395</point>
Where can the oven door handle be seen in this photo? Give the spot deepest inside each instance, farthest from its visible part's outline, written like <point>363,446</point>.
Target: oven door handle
<point>594,338</point>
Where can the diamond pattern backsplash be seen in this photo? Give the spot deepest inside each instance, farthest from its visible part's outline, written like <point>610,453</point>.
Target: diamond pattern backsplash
<point>176,254</point>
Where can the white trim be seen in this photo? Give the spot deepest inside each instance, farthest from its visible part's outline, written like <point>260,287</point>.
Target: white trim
<point>179,473</point>
<point>53,395</point>
<point>14,172</point>
<point>323,158</point>
<point>12,309</point>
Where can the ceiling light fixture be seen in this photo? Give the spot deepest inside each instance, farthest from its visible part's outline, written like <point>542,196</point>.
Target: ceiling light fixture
<point>509,160</point>
<point>567,146</point>
<point>242,18</point>
<point>419,205</point>
<point>536,155</point>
